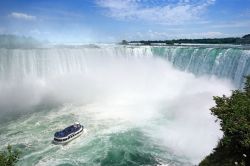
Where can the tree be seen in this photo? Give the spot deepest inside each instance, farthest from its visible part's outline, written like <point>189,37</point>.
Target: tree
<point>234,115</point>
<point>124,42</point>
<point>246,36</point>
<point>9,157</point>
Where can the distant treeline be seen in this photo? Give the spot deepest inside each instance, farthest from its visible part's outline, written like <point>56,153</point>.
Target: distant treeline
<point>230,40</point>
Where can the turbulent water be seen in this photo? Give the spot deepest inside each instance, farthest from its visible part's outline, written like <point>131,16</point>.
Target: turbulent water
<point>230,63</point>
<point>140,105</point>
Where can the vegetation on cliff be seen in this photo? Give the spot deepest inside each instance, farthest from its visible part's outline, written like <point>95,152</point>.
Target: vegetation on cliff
<point>9,156</point>
<point>234,115</point>
<point>230,40</point>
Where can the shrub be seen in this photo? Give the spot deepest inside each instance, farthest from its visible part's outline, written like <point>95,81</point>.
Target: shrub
<point>9,157</point>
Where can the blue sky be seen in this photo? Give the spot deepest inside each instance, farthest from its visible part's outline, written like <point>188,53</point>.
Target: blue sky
<point>113,20</point>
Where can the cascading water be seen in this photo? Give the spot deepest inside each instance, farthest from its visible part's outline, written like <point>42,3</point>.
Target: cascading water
<point>137,108</point>
<point>229,63</point>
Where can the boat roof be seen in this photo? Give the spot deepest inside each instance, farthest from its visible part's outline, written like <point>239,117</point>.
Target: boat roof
<point>67,131</point>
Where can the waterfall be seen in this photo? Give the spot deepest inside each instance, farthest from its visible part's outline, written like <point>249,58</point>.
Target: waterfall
<point>19,63</point>
<point>128,97</point>
<point>228,63</point>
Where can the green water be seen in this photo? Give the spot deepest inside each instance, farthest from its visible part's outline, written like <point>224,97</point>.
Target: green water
<point>107,142</point>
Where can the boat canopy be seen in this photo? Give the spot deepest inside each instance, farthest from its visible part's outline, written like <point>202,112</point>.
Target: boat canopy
<point>67,131</point>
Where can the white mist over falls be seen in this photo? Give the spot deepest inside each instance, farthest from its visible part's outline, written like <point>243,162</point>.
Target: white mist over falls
<point>141,105</point>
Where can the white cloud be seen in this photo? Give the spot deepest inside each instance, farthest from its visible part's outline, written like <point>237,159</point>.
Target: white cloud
<point>232,24</point>
<point>22,16</point>
<point>160,11</point>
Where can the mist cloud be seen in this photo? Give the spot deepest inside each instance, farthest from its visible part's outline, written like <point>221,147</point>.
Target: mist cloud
<point>139,91</point>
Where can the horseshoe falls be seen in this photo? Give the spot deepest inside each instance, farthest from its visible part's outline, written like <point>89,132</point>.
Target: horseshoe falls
<point>229,63</point>
<point>141,105</point>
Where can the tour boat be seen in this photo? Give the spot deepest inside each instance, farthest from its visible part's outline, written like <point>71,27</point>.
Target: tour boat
<point>68,134</point>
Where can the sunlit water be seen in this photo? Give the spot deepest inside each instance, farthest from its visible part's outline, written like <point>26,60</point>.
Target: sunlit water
<point>137,109</point>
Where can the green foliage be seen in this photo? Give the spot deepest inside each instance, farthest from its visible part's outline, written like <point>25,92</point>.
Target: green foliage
<point>247,85</point>
<point>124,42</point>
<point>234,115</point>
<point>9,157</point>
<point>169,42</point>
<point>229,40</point>
<point>246,36</point>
